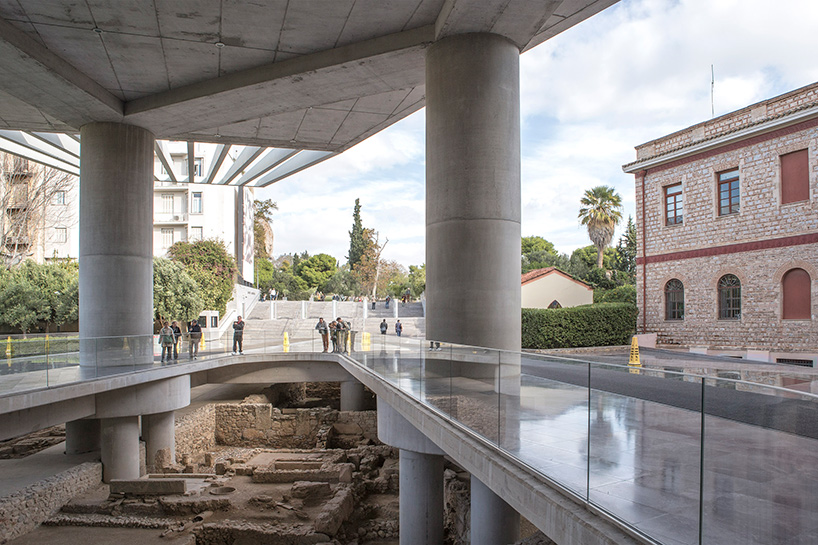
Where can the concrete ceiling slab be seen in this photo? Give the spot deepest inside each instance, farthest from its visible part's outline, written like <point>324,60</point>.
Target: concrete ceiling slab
<point>320,75</point>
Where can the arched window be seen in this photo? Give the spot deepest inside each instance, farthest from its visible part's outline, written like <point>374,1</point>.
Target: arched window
<point>729,297</point>
<point>674,300</point>
<point>795,290</point>
<point>555,304</point>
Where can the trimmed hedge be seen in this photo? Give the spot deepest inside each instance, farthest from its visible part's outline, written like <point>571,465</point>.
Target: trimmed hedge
<point>603,324</point>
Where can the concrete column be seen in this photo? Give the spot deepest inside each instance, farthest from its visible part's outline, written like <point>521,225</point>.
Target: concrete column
<point>158,431</point>
<point>421,478</point>
<point>82,436</point>
<point>493,521</point>
<point>473,191</point>
<point>119,438</point>
<point>421,498</point>
<point>116,245</point>
<point>352,395</point>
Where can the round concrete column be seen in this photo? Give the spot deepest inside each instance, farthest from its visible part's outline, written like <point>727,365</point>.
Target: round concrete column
<point>352,395</point>
<point>119,438</point>
<point>158,431</point>
<point>473,191</point>
<point>493,521</point>
<point>116,245</point>
<point>421,498</point>
<point>82,436</point>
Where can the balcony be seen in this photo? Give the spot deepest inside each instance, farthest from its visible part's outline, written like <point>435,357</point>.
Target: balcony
<point>168,185</point>
<point>179,218</point>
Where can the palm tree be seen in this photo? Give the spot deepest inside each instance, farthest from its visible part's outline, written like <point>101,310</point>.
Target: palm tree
<point>601,213</point>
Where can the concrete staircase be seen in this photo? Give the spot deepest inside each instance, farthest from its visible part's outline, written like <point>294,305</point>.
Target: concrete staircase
<point>289,318</point>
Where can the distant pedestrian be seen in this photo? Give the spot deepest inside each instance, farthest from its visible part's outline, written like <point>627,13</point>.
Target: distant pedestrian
<point>373,303</point>
<point>195,332</point>
<point>388,298</point>
<point>177,334</point>
<point>166,340</point>
<point>384,327</point>
<point>341,330</point>
<point>238,335</point>
<point>323,330</point>
<point>398,328</point>
<point>333,335</point>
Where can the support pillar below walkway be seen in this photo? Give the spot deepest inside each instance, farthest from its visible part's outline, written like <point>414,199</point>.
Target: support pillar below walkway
<point>421,478</point>
<point>119,438</point>
<point>82,436</point>
<point>493,521</point>
<point>353,396</point>
<point>158,431</point>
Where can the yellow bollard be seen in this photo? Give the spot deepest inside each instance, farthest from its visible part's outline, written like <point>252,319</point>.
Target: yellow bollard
<point>202,343</point>
<point>9,351</point>
<point>286,342</point>
<point>634,359</point>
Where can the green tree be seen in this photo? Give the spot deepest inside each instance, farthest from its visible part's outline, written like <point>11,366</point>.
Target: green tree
<point>626,251</point>
<point>417,279</point>
<point>47,293</point>
<point>22,304</point>
<point>342,282</point>
<point>176,296</point>
<point>534,244</point>
<point>600,213</point>
<point>357,239</point>
<point>211,266</point>
<point>317,270</point>
<point>262,230</point>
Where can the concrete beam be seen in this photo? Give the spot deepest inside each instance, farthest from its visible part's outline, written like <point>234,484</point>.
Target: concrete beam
<point>34,74</point>
<point>366,68</point>
<point>27,420</point>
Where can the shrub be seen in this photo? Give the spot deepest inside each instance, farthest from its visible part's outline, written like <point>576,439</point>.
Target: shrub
<point>604,324</point>
<point>620,294</point>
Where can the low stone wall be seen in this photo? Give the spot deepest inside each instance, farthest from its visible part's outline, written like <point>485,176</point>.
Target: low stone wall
<point>25,509</point>
<point>261,425</point>
<point>195,433</point>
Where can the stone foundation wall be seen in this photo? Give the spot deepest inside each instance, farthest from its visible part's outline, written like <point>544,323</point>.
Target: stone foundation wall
<point>261,425</point>
<point>25,509</point>
<point>195,432</point>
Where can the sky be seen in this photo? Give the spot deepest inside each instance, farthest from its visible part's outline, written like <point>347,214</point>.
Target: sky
<point>635,72</point>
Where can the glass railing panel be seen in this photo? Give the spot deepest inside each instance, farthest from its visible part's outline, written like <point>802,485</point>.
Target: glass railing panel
<point>438,370</point>
<point>644,450</point>
<point>475,399</point>
<point>760,464</point>
<point>553,419</point>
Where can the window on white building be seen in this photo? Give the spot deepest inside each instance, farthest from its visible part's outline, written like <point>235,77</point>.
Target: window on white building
<point>167,237</point>
<point>60,234</point>
<point>198,166</point>
<point>167,203</point>
<point>196,202</point>
<point>58,197</point>
<point>196,233</point>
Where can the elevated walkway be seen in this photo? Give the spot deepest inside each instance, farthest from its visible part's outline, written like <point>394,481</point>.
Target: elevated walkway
<point>589,452</point>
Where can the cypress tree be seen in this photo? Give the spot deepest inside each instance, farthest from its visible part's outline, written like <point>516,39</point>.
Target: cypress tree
<point>357,242</point>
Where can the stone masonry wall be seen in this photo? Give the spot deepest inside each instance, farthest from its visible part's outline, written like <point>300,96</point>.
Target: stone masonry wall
<point>196,432</point>
<point>24,510</point>
<point>761,218</point>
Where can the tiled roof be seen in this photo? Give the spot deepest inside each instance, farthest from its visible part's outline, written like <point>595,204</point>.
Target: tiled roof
<point>530,276</point>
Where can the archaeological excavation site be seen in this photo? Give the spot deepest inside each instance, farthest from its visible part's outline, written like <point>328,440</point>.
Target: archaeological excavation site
<point>283,466</point>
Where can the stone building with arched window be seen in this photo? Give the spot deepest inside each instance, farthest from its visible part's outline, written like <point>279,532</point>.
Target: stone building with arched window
<point>727,233</point>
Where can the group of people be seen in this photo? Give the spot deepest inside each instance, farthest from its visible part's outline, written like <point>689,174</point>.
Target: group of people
<point>337,331</point>
<point>385,327</point>
<point>169,339</point>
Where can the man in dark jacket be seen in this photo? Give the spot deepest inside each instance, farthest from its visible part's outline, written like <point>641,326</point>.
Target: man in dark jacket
<point>195,331</point>
<point>177,334</point>
<point>238,335</point>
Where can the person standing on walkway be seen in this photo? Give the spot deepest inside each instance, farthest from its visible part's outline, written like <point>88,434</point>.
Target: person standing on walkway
<point>333,333</point>
<point>177,334</point>
<point>238,335</point>
<point>388,298</point>
<point>398,328</point>
<point>195,332</point>
<point>384,327</point>
<point>341,330</point>
<point>166,340</point>
<point>323,330</point>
